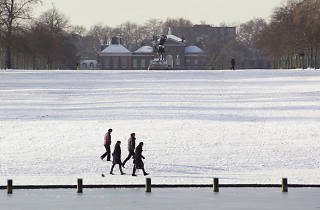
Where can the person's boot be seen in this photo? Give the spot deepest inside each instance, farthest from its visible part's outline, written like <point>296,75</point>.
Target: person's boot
<point>111,171</point>
<point>124,162</point>
<point>134,171</point>
<point>145,173</point>
<point>121,170</point>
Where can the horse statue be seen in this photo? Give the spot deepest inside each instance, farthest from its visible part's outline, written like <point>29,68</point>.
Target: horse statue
<point>159,63</point>
<point>160,48</point>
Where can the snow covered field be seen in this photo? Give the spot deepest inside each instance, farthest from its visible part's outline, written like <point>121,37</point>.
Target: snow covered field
<point>249,126</point>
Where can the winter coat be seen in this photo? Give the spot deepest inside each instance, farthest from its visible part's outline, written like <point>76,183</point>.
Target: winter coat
<point>116,155</point>
<point>138,158</point>
<point>107,139</point>
<point>233,62</point>
<point>131,144</point>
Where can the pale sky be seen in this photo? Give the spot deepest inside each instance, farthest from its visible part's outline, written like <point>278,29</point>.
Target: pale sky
<point>113,13</point>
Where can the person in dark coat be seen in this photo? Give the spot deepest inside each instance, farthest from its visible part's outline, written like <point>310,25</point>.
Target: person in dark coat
<point>107,144</point>
<point>131,147</point>
<point>116,157</point>
<point>233,64</point>
<point>138,163</point>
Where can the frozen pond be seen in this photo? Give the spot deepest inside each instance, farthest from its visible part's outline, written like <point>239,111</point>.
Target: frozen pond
<point>171,199</point>
<point>244,127</point>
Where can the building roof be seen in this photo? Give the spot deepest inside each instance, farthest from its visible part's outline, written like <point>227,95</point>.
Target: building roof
<point>144,49</point>
<point>193,50</point>
<point>88,61</point>
<point>175,38</point>
<point>116,49</point>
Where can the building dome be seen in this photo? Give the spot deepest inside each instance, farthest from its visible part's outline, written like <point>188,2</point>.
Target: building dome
<point>144,50</point>
<point>193,50</point>
<point>116,49</point>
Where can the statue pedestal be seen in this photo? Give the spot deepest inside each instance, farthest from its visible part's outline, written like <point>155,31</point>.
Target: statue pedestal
<point>158,64</point>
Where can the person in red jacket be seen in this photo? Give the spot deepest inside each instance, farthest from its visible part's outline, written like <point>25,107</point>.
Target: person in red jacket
<point>107,144</point>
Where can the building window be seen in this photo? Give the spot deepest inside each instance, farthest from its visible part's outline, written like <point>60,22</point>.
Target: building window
<point>124,63</point>
<point>170,61</point>
<point>91,65</point>
<point>107,63</point>
<point>188,61</point>
<point>115,62</point>
<point>196,61</point>
<point>84,66</point>
<point>143,63</point>
<point>178,60</point>
<point>135,63</point>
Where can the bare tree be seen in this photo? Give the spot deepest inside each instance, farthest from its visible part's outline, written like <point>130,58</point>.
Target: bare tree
<point>175,23</point>
<point>52,42</point>
<point>153,27</point>
<point>78,30</point>
<point>14,13</point>
<point>291,37</point>
<point>247,32</point>
<point>54,20</point>
<point>100,35</point>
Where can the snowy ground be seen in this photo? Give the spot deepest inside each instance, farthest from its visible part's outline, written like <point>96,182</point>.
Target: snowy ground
<point>242,126</point>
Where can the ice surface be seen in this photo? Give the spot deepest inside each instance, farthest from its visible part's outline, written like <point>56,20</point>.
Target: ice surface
<point>159,199</point>
<point>253,126</point>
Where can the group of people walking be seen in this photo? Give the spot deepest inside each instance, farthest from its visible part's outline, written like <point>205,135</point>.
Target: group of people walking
<point>134,152</point>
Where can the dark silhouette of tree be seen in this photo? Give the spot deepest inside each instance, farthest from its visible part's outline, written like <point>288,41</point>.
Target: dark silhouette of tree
<point>14,13</point>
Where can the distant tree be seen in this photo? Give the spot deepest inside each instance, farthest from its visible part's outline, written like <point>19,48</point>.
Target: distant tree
<point>128,30</point>
<point>100,36</point>
<point>175,23</point>
<point>52,41</point>
<point>78,30</point>
<point>13,15</point>
<point>133,35</point>
<point>291,38</point>
<point>153,27</point>
<point>248,32</point>
<point>54,20</point>
<point>53,25</point>
<point>307,20</point>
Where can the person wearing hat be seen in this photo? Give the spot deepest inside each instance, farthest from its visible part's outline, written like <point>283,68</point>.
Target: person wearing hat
<point>107,144</point>
<point>131,147</point>
<point>116,158</point>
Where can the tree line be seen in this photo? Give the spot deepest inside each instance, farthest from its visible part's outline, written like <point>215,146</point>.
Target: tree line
<point>291,38</point>
<point>49,41</point>
<point>288,40</point>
